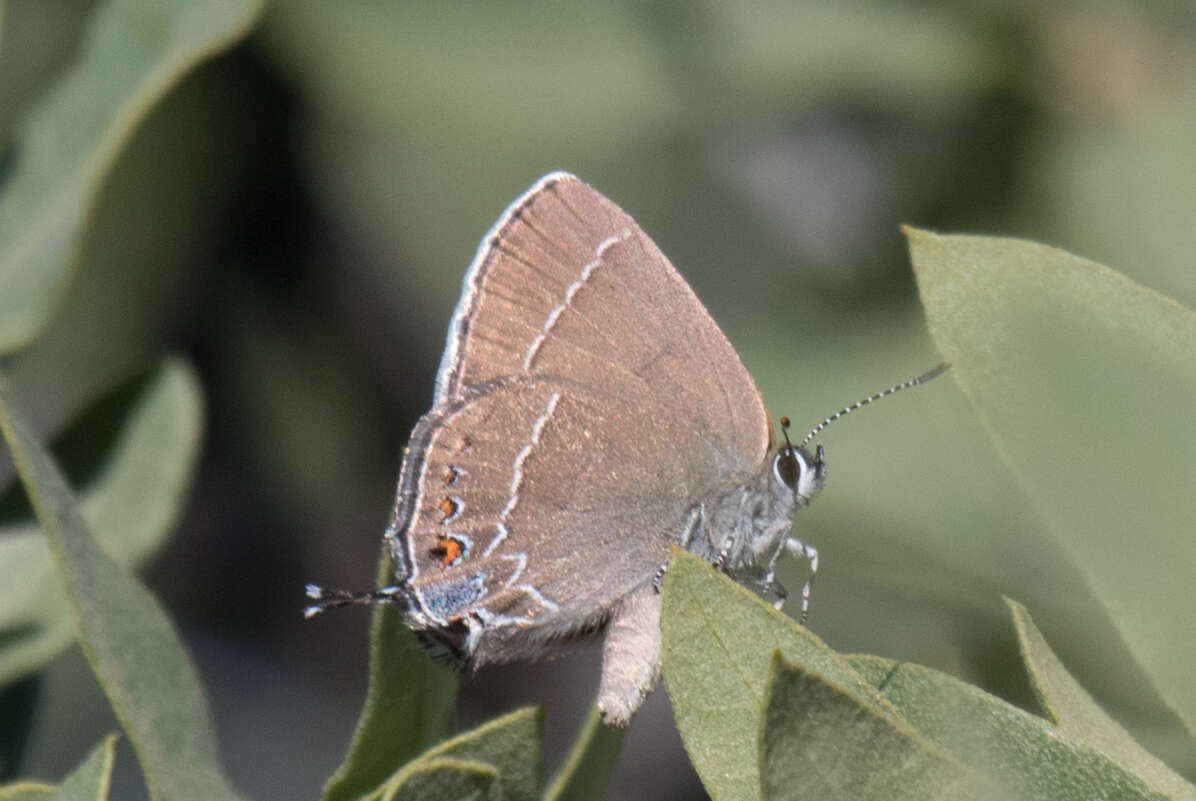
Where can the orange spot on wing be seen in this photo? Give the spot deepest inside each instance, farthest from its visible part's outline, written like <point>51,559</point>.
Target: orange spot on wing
<point>448,550</point>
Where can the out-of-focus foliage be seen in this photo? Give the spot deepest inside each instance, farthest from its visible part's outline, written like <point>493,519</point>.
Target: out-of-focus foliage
<point>133,502</point>
<point>295,216</point>
<point>128,639</point>
<point>64,145</point>
<point>1057,354</point>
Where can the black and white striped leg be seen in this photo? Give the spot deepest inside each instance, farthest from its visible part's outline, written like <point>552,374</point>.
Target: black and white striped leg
<point>658,577</point>
<point>722,562</point>
<point>782,594</point>
<point>769,580</point>
<point>800,550</point>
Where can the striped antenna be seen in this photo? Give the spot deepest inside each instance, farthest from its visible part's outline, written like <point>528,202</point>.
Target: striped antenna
<point>326,599</point>
<point>913,382</point>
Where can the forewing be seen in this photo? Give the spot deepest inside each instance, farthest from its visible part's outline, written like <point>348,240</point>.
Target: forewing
<point>568,286</point>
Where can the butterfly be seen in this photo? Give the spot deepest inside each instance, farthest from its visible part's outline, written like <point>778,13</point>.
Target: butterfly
<point>589,414</point>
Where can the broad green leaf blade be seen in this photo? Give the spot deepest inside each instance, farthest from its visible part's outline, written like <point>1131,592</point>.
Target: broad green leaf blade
<point>588,767</point>
<point>1071,708</point>
<point>27,791</point>
<point>1030,759</point>
<point>37,40</point>
<point>820,740</point>
<point>410,704</point>
<point>134,52</point>
<point>92,778</point>
<point>448,780</point>
<point>1080,377</point>
<point>719,640</point>
<point>131,505</point>
<point>136,654</point>
<point>510,744</point>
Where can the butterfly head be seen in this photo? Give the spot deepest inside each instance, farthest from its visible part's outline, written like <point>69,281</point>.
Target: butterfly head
<point>794,466</point>
<point>799,470</point>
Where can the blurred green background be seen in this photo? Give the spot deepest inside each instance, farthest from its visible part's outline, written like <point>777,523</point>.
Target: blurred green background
<point>295,217</point>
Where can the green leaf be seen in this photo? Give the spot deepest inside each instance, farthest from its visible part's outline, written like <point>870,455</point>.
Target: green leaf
<point>37,40</point>
<point>820,740</point>
<point>91,780</point>
<point>588,767</point>
<point>1071,708</point>
<point>1028,757</point>
<point>509,744</point>
<point>131,505</point>
<point>1079,376</point>
<point>134,52</point>
<point>26,791</point>
<point>719,640</point>
<point>449,779</point>
<point>410,704</point>
<point>136,654</point>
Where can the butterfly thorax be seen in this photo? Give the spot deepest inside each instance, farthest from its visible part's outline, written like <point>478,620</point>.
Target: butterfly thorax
<point>742,526</point>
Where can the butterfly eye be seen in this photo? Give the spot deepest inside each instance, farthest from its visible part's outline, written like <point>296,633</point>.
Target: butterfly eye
<point>788,467</point>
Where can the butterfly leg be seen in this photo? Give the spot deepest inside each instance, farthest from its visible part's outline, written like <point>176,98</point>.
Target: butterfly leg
<point>658,578</point>
<point>722,562</point>
<point>630,656</point>
<point>782,594</point>
<point>769,580</point>
<point>800,550</point>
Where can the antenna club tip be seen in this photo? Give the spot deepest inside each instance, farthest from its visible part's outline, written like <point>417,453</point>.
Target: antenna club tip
<point>934,372</point>
<point>785,422</point>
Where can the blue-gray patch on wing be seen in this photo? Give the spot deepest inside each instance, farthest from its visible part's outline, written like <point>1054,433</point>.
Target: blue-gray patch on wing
<point>446,598</point>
